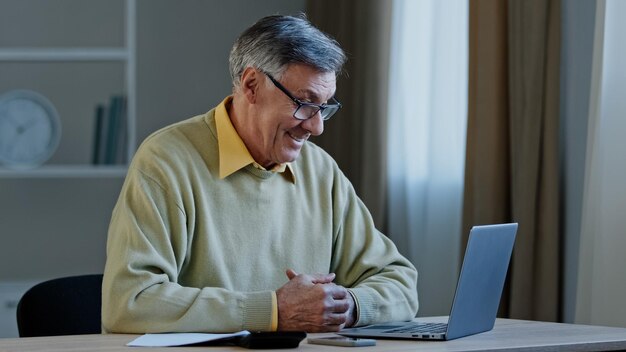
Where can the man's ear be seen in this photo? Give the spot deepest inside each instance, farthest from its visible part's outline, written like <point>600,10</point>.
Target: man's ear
<point>250,83</point>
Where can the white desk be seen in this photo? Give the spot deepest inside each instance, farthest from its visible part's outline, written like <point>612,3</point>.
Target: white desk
<point>508,335</point>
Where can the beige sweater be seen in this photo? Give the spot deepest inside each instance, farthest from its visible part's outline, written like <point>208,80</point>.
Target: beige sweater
<point>188,251</point>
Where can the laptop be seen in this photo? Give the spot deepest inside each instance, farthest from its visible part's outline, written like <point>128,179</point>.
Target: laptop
<point>477,295</point>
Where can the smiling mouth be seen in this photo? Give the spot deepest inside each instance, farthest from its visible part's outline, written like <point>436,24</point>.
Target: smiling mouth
<point>299,140</point>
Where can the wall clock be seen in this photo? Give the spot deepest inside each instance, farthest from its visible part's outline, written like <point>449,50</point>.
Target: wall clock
<point>30,129</point>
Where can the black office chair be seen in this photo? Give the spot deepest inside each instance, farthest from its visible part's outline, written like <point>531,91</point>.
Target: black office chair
<point>64,306</point>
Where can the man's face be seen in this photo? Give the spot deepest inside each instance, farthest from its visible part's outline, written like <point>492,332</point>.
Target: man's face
<point>281,136</point>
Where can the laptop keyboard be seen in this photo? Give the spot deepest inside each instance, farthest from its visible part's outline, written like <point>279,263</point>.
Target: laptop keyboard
<point>434,328</point>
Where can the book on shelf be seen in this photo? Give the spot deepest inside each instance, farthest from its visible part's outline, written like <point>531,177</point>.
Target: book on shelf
<point>98,143</point>
<point>110,132</point>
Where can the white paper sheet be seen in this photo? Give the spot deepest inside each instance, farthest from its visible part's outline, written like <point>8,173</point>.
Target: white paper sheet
<point>179,339</point>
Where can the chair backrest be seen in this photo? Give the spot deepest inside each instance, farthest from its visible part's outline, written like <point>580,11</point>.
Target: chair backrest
<point>64,306</point>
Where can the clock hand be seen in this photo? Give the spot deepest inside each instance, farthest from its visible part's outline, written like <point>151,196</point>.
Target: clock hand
<point>23,127</point>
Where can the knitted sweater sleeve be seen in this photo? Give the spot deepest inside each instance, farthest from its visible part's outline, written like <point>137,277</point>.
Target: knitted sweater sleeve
<point>382,281</point>
<point>146,249</point>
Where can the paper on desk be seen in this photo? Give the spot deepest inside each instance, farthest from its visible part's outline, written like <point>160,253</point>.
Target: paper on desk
<point>179,339</point>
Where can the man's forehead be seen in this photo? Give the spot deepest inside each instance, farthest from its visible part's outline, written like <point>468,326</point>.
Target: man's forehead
<point>311,84</point>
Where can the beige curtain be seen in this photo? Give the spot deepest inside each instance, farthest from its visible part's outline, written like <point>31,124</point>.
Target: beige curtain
<point>356,135</point>
<point>512,143</point>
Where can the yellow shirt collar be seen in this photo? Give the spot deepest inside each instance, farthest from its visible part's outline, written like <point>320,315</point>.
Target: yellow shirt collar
<point>232,151</point>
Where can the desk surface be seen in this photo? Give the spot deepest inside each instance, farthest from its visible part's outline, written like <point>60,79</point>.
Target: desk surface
<point>508,335</point>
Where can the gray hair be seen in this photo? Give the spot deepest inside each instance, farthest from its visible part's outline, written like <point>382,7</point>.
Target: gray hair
<point>274,42</point>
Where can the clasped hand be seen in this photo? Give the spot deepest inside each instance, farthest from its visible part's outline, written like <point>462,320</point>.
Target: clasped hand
<point>313,303</point>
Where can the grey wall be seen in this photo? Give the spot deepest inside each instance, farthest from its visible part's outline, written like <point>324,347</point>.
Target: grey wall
<point>183,54</point>
<point>57,227</point>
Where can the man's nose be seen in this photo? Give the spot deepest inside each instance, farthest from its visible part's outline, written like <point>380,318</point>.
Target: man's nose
<point>315,124</point>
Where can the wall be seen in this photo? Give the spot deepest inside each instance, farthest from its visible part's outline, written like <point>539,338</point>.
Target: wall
<point>183,49</point>
<point>57,227</point>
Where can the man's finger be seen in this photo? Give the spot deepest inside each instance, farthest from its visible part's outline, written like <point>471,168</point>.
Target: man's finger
<point>339,293</point>
<point>340,306</point>
<point>335,319</point>
<point>323,278</point>
<point>291,273</point>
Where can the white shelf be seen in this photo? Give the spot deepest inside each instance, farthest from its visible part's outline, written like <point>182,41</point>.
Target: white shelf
<point>64,54</point>
<point>67,171</point>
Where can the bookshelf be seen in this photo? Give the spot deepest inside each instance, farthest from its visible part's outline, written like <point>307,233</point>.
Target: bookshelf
<point>107,59</point>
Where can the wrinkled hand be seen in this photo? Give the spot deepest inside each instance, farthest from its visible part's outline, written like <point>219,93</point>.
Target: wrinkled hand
<point>313,303</point>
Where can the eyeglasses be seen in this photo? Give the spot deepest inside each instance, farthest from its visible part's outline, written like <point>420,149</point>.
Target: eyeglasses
<point>306,110</point>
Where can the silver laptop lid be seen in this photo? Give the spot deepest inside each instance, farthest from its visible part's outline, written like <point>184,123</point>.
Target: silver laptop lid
<point>481,280</point>
<point>477,295</point>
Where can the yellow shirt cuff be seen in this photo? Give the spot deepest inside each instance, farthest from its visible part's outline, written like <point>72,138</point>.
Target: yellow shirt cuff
<point>274,320</point>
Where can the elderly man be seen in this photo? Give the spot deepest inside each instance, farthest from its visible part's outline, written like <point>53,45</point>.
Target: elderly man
<point>231,220</point>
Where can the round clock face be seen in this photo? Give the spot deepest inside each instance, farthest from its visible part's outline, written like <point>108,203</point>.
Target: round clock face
<point>30,129</point>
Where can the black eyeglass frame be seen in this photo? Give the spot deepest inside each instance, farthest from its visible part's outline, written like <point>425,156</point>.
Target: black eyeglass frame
<point>320,107</point>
